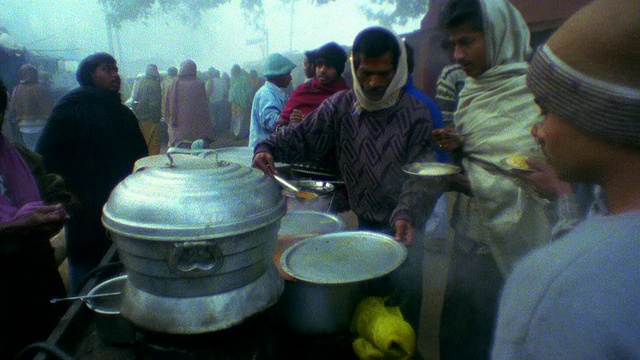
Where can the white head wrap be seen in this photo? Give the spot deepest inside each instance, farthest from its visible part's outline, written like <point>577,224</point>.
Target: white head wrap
<point>392,94</point>
<point>506,33</point>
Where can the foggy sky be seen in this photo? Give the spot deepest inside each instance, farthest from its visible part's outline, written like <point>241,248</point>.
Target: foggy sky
<point>219,41</point>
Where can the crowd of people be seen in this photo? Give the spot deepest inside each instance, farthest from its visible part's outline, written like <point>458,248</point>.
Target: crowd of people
<point>544,260</point>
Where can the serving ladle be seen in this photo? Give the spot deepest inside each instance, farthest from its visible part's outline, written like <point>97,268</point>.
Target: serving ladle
<point>286,183</point>
<point>84,297</point>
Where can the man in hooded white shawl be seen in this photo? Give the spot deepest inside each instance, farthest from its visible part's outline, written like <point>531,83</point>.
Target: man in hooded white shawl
<point>502,219</point>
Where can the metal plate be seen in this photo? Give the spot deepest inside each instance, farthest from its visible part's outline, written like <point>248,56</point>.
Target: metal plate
<point>430,169</point>
<point>343,257</point>
<point>513,163</point>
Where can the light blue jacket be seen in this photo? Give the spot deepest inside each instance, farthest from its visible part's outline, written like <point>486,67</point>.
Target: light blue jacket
<point>267,106</point>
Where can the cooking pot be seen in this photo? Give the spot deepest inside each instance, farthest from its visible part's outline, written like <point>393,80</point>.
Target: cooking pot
<point>195,235</point>
<point>331,272</point>
<point>323,202</point>
<point>111,327</point>
<point>297,226</point>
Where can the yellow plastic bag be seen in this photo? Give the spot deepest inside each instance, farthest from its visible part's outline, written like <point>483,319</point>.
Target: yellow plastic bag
<point>382,331</point>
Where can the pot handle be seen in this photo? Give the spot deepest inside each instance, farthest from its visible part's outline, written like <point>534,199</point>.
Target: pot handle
<point>195,258</point>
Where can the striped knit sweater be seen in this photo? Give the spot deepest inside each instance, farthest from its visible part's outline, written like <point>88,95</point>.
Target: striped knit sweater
<point>369,149</point>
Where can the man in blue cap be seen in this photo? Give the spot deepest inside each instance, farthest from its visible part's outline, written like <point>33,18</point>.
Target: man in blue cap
<point>270,98</point>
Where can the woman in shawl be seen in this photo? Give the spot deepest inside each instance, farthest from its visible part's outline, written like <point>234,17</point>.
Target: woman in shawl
<point>240,97</point>
<point>187,108</point>
<point>28,272</point>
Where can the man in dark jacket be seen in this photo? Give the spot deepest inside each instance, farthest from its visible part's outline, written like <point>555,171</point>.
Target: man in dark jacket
<point>92,140</point>
<point>329,61</point>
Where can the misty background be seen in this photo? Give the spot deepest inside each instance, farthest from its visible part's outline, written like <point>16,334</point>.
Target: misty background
<point>73,29</point>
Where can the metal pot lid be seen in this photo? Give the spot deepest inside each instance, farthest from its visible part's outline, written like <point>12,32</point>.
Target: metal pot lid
<point>242,155</point>
<point>343,257</point>
<point>192,197</point>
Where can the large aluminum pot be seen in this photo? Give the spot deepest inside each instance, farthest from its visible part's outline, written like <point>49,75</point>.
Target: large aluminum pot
<point>190,227</point>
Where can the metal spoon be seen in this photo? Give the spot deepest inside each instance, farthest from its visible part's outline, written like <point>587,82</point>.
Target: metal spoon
<point>286,183</point>
<point>84,297</point>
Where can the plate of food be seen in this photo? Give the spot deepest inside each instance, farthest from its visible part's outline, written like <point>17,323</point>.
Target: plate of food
<point>517,163</point>
<point>431,169</point>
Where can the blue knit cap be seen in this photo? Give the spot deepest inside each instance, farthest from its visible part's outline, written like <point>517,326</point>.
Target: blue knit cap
<point>276,65</point>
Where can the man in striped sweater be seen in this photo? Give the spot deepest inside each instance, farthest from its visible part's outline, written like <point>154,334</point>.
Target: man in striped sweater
<point>369,133</point>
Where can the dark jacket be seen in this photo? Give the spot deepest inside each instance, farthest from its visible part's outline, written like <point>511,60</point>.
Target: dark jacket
<point>92,140</point>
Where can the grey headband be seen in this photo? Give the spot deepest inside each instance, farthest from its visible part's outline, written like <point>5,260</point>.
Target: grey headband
<point>603,109</point>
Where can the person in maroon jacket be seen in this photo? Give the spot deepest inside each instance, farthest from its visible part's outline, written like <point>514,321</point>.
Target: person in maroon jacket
<point>329,61</point>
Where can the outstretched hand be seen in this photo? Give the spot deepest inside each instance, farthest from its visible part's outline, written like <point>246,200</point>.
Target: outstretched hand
<point>296,117</point>
<point>544,180</point>
<point>37,218</point>
<point>447,139</point>
<point>404,232</point>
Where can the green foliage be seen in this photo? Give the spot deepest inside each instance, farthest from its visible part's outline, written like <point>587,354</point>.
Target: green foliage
<point>253,11</point>
<point>190,11</point>
<point>404,10</point>
<point>119,11</point>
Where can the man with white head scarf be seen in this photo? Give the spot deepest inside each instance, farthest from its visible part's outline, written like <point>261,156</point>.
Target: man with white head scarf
<point>369,133</point>
<point>578,298</point>
<point>502,220</point>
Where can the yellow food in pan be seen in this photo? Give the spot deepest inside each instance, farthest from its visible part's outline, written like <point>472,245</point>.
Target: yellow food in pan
<point>519,162</point>
<point>306,195</point>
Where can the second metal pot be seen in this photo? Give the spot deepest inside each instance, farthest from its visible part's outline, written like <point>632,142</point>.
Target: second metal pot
<point>319,308</point>
<point>111,327</point>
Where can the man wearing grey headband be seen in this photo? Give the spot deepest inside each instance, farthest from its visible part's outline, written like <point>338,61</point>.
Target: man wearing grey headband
<point>578,298</point>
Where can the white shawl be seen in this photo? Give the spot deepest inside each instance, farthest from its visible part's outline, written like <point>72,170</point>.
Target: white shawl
<point>494,117</point>
<point>392,95</point>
